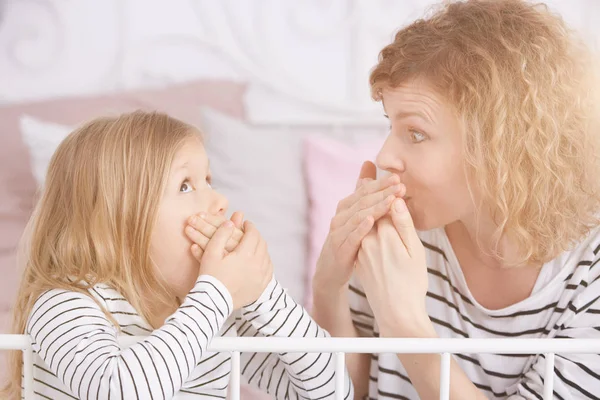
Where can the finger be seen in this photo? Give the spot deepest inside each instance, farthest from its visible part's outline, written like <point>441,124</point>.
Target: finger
<point>361,258</point>
<point>366,189</point>
<point>215,220</point>
<point>353,241</point>
<point>238,219</point>
<point>205,224</point>
<point>202,229</point>
<point>250,240</point>
<point>406,229</point>
<point>216,245</point>
<point>197,237</point>
<point>386,195</point>
<point>340,234</point>
<point>197,252</point>
<point>348,220</point>
<point>234,241</point>
<point>368,170</point>
<point>362,181</point>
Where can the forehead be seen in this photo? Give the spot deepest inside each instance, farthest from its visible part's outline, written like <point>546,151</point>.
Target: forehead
<point>413,96</point>
<point>191,151</point>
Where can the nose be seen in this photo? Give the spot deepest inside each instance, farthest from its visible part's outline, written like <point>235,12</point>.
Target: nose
<point>219,204</point>
<point>390,157</point>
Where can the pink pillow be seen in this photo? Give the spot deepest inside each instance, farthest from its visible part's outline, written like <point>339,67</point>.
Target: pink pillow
<point>17,184</point>
<point>332,169</point>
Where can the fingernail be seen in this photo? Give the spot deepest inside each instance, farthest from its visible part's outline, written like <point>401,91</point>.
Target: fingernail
<point>228,224</point>
<point>194,220</point>
<point>202,215</point>
<point>400,206</point>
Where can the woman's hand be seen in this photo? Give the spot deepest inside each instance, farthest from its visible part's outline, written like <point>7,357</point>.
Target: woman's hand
<point>246,270</point>
<point>354,218</point>
<point>392,269</point>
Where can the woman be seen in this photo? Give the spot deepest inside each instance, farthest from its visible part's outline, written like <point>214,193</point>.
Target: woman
<point>494,137</point>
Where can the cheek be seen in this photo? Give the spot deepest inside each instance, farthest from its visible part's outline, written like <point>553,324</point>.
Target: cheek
<point>439,175</point>
<point>169,229</point>
<point>171,252</point>
<point>439,194</point>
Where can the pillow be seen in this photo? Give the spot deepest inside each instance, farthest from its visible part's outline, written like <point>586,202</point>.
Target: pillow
<point>42,139</point>
<point>18,183</point>
<point>259,170</point>
<point>332,168</point>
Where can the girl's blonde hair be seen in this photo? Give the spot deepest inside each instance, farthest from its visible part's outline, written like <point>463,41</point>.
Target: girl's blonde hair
<point>96,214</point>
<point>525,88</point>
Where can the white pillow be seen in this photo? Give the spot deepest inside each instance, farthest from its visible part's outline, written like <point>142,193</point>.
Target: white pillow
<point>259,170</point>
<point>42,139</point>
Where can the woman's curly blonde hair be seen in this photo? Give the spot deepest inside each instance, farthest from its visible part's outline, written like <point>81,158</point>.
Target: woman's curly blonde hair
<point>525,88</point>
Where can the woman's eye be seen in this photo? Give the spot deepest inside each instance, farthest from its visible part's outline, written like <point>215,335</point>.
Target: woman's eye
<point>417,137</point>
<point>186,187</point>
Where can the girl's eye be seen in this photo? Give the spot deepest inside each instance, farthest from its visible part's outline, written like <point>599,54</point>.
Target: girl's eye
<point>417,137</point>
<point>185,187</point>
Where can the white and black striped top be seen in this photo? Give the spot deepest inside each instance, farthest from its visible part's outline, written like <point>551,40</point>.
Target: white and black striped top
<point>77,354</point>
<point>563,304</point>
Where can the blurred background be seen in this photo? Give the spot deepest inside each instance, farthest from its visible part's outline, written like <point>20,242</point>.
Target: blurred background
<point>279,89</point>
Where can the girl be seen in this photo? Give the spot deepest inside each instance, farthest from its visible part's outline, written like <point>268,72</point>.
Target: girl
<point>107,255</point>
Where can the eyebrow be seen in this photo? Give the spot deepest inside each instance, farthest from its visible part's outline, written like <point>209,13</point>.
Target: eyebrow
<point>181,166</point>
<point>406,114</point>
<point>186,164</point>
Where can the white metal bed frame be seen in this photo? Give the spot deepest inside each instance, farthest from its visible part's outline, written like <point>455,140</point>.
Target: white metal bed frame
<point>340,346</point>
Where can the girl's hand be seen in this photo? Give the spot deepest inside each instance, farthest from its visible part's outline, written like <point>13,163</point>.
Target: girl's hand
<point>392,269</point>
<point>246,270</point>
<point>354,218</point>
<point>202,227</point>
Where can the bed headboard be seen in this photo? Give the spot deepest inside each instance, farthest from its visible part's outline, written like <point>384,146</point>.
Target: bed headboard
<point>304,62</point>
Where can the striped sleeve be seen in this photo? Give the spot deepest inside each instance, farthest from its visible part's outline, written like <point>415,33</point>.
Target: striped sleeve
<point>576,376</point>
<point>287,375</point>
<point>79,345</point>
<point>360,310</point>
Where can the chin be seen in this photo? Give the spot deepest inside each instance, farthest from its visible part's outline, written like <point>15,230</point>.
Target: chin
<point>423,222</point>
<point>188,276</point>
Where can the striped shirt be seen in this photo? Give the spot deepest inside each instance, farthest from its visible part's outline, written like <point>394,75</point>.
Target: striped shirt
<point>76,353</point>
<point>564,304</point>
